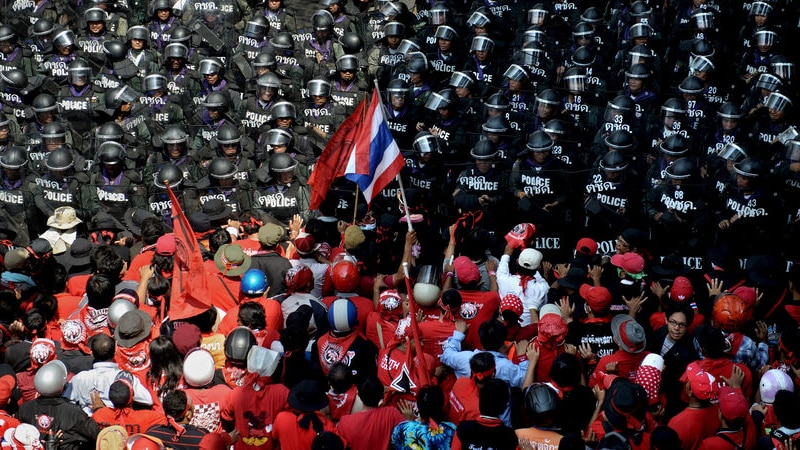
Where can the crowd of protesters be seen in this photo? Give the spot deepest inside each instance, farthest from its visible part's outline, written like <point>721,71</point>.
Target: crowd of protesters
<point>593,245</point>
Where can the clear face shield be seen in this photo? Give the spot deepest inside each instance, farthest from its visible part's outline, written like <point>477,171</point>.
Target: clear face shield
<point>792,151</point>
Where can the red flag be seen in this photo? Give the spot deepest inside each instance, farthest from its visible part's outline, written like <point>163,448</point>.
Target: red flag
<point>333,160</point>
<point>189,295</point>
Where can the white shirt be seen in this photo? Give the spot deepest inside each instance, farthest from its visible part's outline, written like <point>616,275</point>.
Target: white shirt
<point>100,378</point>
<point>535,291</point>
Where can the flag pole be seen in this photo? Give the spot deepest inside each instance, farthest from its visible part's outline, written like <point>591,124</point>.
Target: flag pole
<point>355,206</point>
<point>397,177</point>
<point>423,373</point>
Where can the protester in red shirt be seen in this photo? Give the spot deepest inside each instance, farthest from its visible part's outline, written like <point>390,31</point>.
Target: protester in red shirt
<point>253,288</point>
<point>198,372</point>
<point>477,306</point>
<point>630,338</point>
<point>296,429</point>
<point>381,323</point>
<point>700,419</point>
<point>372,427</point>
<point>135,421</point>
<point>463,404</point>
<point>737,428</point>
<point>251,408</point>
<point>400,366</point>
<point>345,278</point>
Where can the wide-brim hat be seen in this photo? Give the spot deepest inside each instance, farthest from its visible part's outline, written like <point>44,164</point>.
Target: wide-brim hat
<point>64,218</point>
<point>628,333</point>
<point>105,221</point>
<point>133,327</point>
<point>134,217</point>
<point>308,396</point>
<point>231,260</point>
<point>216,209</point>
<point>78,254</point>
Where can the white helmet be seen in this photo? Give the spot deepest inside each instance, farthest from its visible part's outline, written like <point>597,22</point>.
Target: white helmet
<point>50,379</point>
<point>117,309</point>
<point>198,367</point>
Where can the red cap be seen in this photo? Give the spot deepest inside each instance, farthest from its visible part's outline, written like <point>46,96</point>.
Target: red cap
<point>587,246</point>
<point>466,270</point>
<point>732,404</point>
<point>165,245</point>
<point>597,297</point>
<point>629,262</point>
<point>747,294</point>
<point>7,383</point>
<point>511,303</point>
<point>681,289</point>
<point>703,384</point>
<point>305,244</point>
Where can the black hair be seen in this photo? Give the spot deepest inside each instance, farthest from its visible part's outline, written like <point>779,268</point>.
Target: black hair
<point>205,320</point>
<point>711,341</point>
<point>103,347</point>
<point>9,307</point>
<point>492,334</point>
<point>249,226</point>
<point>785,407</point>
<point>217,239</point>
<point>664,438</point>
<point>58,278</point>
<point>34,322</point>
<point>164,359</point>
<point>100,290</point>
<point>493,397</point>
<point>251,315</point>
<point>340,377</point>
<point>327,440</point>
<point>680,307</point>
<point>452,298</point>
<point>481,362</point>
<point>164,264</point>
<point>152,229</point>
<point>430,403</point>
<point>566,370</point>
<point>174,404</point>
<point>371,391</point>
<point>47,304</point>
<point>294,338</point>
<point>108,262</point>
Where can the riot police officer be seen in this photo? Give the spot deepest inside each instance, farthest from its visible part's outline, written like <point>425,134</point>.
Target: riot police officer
<point>484,185</point>
<point>112,188</point>
<point>612,196</point>
<point>221,184</point>
<point>16,200</point>
<point>284,195</point>
<point>59,185</point>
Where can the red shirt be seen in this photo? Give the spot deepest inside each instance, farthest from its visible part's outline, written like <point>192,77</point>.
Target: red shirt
<point>76,284</point>
<point>208,405</point>
<point>286,430</point>
<point>249,246</point>
<point>433,334</point>
<point>627,363</point>
<point>272,312</point>
<point>224,291</point>
<point>463,401</point>
<point>253,413</point>
<point>134,421</point>
<point>476,308</point>
<point>724,367</point>
<point>371,429</point>
<point>142,259</point>
<point>694,425</point>
<point>67,304</point>
<point>387,329</point>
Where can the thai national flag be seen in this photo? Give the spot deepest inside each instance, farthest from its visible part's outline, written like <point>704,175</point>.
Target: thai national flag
<point>375,159</point>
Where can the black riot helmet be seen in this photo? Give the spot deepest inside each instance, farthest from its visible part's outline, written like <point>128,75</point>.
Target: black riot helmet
<point>620,139</point>
<point>238,344</point>
<point>59,160</point>
<point>675,145</point>
<point>399,87</point>
<point>284,110</point>
<point>138,32</point>
<point>43,103</point>
<point>111,153</point>
<point>681,169</point>
<point>283,41</point>
<point>79,70</point>
<point>347,63</point>
<point>115,51</point>
<point>210,66</point>
<point>169,175</point>
<point>425,142</point>
<point>14,158</point>
<point>265,59</point>
<point>221,168</point>
<point>614,161</point>
<point>691,85</point>
<point>180,35</point>
<point>174,134</point>
<point>539,141</point>
<point>95,15</point>
<point>281,163</point>
<point>319,87</point>
<point>218,100</point>
<point>119,96</point>
<point>228,134</point>
<point>43,27</point>
<point>176,50</point>
<point>555,127</point>
<point>109,131</point>
<point>497,124</point>
<point>7,34</point>
<point>54,131</point>
<point>64,39</point>
<point>154,82</point>
<point>484,149</point>
<point>497,101</point>
<point>256,27</point>
<point>14,79</point>
<point>750,168</point>
<point>279,137</point>
<point>352,43</point>
<point>730,110</point>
